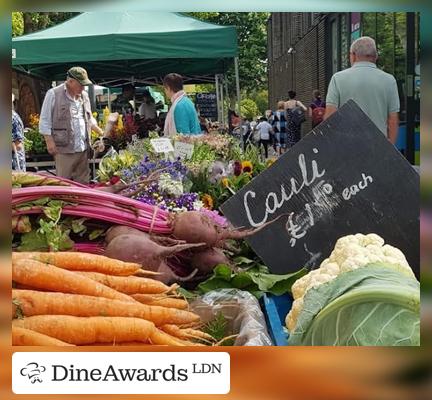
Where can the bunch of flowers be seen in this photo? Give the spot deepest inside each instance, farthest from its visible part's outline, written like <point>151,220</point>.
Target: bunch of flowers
<point>165,189</point>
<point>152,194</point>
<point>34,121</point>
<point>34,142</point>
<point>176,169</point>
<point>218,144</point>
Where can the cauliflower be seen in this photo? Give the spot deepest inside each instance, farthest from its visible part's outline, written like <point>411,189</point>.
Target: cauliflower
<point>350,253</point>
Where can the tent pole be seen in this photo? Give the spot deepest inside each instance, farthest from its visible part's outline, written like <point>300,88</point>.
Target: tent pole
<point>217,97</point>
<point>236,67</point>
<point>109,99</point>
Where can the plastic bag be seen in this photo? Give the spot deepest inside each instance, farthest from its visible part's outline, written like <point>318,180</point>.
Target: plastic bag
<point>242,312</point>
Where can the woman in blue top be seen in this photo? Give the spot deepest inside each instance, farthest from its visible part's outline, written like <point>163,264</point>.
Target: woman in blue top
<point>182,117</point>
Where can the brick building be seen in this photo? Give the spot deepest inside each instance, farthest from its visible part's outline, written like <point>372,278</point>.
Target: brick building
<point>306,49</point>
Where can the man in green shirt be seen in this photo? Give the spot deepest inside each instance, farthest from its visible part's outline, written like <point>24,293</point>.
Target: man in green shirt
<point>374,90</point>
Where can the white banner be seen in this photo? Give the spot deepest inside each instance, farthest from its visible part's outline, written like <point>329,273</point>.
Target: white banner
<point>121,373</point>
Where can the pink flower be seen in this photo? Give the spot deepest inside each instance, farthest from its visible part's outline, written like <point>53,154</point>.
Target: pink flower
<point>215,216</point>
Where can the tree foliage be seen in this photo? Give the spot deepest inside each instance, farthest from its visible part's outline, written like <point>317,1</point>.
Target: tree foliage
<point>261,100</point>
<point>252,41</point>
<point>17,24</point>
<point>249,109</point>
<point>28,22</point>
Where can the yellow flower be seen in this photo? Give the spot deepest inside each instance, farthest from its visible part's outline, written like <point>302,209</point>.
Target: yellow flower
<point>225,182</point>
<point>270,161</point>
<point>34,120</point>
<point>247,167</point>
<point>208,201</point>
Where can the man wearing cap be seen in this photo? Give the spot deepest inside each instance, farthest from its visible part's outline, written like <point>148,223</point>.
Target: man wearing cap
<point>66,122</point>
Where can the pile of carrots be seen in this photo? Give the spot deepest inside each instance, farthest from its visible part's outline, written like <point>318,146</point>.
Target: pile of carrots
<point>71,298</point>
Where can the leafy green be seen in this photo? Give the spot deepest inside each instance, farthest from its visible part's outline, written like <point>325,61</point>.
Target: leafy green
<point>50,236</point>
<point>33,241</point>
<point>95,233</point>
<point>218,328</point>
<point>34,142</point>
<point>78,226</point>
<point>255,280</point>
<point>186,294</point>
<point>370,306</point>
<point>53,210</point>
<point>56,237</point>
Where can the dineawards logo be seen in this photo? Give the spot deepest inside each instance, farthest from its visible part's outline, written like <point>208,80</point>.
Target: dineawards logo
<point>60,373</point>
<point>33,371</point>
<point>121,373</point>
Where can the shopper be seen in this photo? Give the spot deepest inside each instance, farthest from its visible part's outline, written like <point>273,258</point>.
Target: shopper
<point>123,103</point>
<point>18,154</point>
<point>147,109</point>
<point>265,131</point>
<point>374,90</point>
<point>66,122</point>
<point>182,117</point>
<point>295,112</point>
<point>279,125</point>
<point>317,109</point>
<point>246,132</point>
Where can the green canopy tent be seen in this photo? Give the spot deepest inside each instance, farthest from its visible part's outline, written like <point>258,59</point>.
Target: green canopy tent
<point>141,46</point>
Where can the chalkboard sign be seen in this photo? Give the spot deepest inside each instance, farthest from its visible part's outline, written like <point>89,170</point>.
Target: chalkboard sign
<point>343,178</point>
<point>207,105</point>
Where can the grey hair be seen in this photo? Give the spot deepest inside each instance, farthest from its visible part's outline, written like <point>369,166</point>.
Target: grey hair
<point>364,47</point>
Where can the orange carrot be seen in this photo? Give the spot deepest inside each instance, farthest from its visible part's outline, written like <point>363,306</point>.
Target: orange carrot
<point>120,344</point>
<point>129,284</point>
<point>45,276</point>
<point>161,301</point>
<point>160,337</point>
<point>177,332</point>
<point>76,261</point>
<point>48,303</point>
<point>27,337</point>
<point>79,330</point>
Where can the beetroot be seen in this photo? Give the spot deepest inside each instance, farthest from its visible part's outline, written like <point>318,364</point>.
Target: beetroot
<point>206,260</point>
<point>196,227</point>
<point>141,249</point>
<point>118,230</point>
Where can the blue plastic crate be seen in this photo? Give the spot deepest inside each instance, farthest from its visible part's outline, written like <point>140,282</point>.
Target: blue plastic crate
<point>275,310</point>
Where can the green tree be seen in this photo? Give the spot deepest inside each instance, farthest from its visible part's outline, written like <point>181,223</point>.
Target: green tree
<point>17,24</point>
<point>261,100</point>
<point>248,109</point>
<point>28,22</point>
<point>252,40</point>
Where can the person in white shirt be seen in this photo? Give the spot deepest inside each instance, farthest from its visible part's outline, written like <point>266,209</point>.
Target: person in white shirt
<point>147,109</point>
<point>265,130</point>
<point>66,122</point>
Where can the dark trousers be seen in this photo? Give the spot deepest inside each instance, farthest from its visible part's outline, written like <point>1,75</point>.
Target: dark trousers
<point>265,143</point>
<point>246,139</point>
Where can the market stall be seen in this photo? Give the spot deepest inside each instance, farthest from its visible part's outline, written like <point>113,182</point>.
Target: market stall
<point>137,46</point>
<point>336,236</point>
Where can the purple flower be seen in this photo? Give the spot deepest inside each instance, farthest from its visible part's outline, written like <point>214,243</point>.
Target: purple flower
<point>237,168</point>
